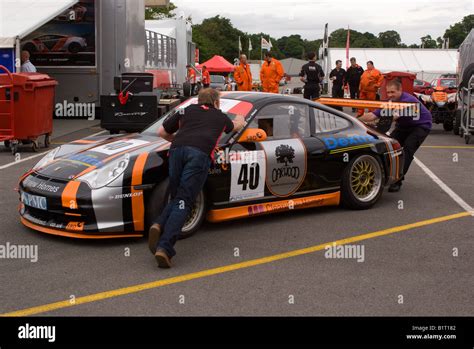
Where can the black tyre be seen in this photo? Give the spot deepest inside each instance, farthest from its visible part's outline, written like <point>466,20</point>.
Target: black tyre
<point>187,89</point>
<point>448,124</point>
<point>74,48</point>
<point>362,182</point>
<point>160,196</point>
<point>47,141</point>
<point>457,122</point>
<point>35,146</point>
<point>7,144</point>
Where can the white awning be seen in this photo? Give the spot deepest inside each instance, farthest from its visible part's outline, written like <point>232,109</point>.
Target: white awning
<point>427,64</point>
<point>18,18</point>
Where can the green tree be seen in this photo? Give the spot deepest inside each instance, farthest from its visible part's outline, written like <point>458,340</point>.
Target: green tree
<point>312,46</point>
<point>338,38</point>
<point>160,12</point>
<point>458,31</point>
<point>428,42</point>
<point>291,46</point>
<point>390,38</point>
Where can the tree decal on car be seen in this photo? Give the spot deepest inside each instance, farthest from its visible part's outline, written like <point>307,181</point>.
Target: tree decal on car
<point>285,154</point>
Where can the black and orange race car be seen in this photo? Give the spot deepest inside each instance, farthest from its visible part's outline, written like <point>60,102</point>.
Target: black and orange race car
<point>292,154</point>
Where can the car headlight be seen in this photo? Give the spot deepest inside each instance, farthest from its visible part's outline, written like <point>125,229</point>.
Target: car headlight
<point>107,174</point>
<point>49,158</point>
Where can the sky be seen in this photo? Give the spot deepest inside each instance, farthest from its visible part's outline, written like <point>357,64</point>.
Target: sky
<point>412,19</point>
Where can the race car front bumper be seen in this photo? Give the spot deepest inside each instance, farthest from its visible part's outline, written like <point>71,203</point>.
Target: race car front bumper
<point>72,209</point>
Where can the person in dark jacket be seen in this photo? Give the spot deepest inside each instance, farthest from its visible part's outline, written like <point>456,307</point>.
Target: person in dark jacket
<point>338,77</point>
<point>193,135</point>
<point>311,74</point>
<point>354,72</point>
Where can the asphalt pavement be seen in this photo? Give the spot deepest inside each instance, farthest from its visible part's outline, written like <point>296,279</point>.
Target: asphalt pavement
<point>417,256</point>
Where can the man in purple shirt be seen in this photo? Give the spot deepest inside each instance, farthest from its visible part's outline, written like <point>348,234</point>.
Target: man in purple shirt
<point>412,125</point>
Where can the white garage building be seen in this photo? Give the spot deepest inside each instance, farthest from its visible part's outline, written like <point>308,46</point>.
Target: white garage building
<point>427,64</point>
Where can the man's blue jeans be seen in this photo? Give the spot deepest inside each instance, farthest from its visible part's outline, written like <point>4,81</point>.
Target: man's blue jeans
<point>188,170</point>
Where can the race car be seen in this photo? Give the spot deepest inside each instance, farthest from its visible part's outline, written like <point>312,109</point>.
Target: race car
<point>55,43</point>
<point>292,154</point>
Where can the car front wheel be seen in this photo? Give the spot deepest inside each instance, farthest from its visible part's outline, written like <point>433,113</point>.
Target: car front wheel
<point>160,197</point>
<point>362,182</point>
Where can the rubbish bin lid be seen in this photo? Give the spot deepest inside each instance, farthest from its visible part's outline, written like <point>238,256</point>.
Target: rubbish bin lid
<point>20,79</point>
<point>399,74</point>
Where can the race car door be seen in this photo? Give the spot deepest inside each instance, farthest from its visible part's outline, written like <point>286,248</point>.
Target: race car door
<point>276,167</point>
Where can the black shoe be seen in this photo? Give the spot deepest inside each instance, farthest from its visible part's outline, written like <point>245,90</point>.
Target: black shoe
<point>395,187</point>
<point>162,259</point>
<point>153,237</point>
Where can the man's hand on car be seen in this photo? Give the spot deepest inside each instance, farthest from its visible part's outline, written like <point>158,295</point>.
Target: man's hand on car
<point>239,123</point>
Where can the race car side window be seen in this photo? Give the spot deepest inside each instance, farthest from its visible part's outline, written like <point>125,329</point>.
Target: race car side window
<point>283,121</point>
<point>326,122</point>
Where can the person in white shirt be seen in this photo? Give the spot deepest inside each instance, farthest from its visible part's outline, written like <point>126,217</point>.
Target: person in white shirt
<point>26,65</point>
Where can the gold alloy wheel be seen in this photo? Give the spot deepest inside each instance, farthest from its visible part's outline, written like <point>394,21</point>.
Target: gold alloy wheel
<point>366,178</point>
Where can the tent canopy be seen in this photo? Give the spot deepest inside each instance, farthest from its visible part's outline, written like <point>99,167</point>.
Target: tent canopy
<point>292,66</point>
<point>21,17</point>
<point>218,64</point>
<point>427,64</point>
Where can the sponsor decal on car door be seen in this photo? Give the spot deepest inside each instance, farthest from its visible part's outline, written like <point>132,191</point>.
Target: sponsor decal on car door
<point>286,166</point>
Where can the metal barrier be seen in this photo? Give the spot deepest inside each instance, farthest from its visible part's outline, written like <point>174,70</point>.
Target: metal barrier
<point>467,113</point>
<point>161,51</point>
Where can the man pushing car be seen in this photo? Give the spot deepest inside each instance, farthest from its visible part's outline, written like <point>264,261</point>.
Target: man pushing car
<point>194,135</point>
<point>410,131</point>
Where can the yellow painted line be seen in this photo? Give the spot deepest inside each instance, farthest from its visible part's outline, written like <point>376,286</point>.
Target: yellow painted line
<point>221,270</point>
<point>447,146</point>
<point>342,150</point>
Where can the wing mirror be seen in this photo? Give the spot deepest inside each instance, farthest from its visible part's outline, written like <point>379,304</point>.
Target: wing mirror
<point>253,135</point>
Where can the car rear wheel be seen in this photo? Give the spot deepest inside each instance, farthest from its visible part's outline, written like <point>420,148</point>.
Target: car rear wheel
<point>362,182</point>
<point>160,197</point>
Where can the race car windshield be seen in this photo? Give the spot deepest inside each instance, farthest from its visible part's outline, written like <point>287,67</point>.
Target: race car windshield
<point>153,129</point>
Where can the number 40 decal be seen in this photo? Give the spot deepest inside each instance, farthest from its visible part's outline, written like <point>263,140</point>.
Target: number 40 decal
<point>249,176</point>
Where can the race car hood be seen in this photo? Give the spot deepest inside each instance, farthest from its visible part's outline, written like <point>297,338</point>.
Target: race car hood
<point>79,157</point>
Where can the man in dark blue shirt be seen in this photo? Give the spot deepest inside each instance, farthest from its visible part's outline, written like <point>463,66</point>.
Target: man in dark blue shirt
<point>311,74</point>
<point>338,78</point>
<point>411,130</point>
<point>193,135</point>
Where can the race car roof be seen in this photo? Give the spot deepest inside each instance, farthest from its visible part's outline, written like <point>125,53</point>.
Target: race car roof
<point>21,17</point>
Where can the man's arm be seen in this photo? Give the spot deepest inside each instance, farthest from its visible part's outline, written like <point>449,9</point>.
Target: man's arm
<point>170,127</point>
<point>368,118</point>
<point>302,74</point>
<point>239,123</point>
<point>238,79</point>
<point>280,72</point>
<point>165,135</point>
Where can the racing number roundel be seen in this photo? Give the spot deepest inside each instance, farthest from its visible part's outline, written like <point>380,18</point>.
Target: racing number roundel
<point>248,176</point>
<point>286,166</point>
